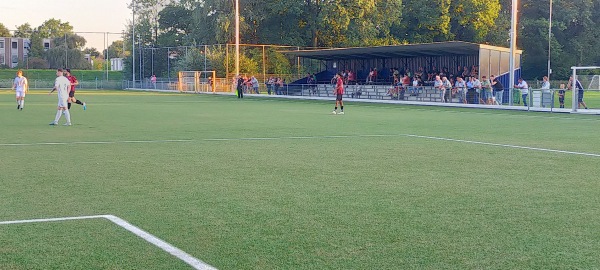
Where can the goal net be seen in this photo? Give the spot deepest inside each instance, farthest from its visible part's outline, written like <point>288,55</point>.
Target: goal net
<point>197,81</point>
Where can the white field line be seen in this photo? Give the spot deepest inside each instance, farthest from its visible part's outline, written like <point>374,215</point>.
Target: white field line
<point>311,137</point>
<point>180,254</point>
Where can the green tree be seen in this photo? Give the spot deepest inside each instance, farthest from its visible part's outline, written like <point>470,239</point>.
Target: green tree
<point>425,21</point>
<point>4,32</point>
<point>24,31</point>
<point>471,20</point>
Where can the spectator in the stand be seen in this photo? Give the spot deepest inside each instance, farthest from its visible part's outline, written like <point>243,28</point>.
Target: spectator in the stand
<point>416,86</point>
<point>522,85</point>
<point>486,90</point>
<point>375,75</point>
<point>475,71</point>
<point>419,72</point>
<point>438,84</point>
<point>351,77</point>
<point>498,90</point>
<point>370,77</point>
<point>254,83</point>
<point>579,92</point>
<point>393,91</point>
<point>460,88</point>
<point>466,72</point>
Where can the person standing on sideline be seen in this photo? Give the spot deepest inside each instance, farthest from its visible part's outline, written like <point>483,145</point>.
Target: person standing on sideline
<point>240,85</point>
<point>62,86</point>
<point>498,89</point>
<point>254,82</point>
<point>579,92</point>
<point>339,93</point>
<point>447,89</point>
<point>153,81</point>
<point>561,95</point>
<point>74,82</point>
<point>546,95</point>
<point>524,90</point>
<point>21,86</point>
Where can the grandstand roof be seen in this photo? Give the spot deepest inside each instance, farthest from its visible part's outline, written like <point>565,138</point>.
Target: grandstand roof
<point>397,51</point>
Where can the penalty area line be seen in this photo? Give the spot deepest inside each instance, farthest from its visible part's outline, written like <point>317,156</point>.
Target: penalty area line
<point>150,238</point>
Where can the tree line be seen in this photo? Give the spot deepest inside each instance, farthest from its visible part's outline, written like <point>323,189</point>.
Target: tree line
<point>351,23</point>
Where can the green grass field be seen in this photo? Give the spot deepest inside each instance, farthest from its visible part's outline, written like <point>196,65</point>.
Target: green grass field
<point>283,184</point>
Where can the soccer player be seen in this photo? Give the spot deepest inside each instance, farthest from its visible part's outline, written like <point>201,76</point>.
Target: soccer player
<point>74,82</point>
<point>339,93</point>
<point>62,85</point>
<point>21,86</point>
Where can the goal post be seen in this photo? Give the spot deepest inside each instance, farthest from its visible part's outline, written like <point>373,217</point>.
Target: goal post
<point>587,80</point>
<point>197,81</point>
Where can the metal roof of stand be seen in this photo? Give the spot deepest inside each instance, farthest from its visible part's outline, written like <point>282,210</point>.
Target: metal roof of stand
<point>397,51</point>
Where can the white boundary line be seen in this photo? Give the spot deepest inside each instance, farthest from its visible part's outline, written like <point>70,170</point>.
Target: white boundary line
<point>180,254</point>
<point>311,137</point>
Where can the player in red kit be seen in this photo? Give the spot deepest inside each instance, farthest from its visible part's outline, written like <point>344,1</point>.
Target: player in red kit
<point>74,83</point>
<point>339,93</point>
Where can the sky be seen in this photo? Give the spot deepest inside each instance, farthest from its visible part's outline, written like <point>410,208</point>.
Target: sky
<point>83,15</point>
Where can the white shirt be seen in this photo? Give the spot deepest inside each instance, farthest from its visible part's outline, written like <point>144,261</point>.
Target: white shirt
<point>20,82</point>
<point>546,85</point>
<point>524,87</point>
<point>477,84</point>
<point>62,85</point>
<point>415,82</point>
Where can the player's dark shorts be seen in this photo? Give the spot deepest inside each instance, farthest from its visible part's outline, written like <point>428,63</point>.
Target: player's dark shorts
<point>72,93</point>
<point>339,97</point>
<point>580,96</point>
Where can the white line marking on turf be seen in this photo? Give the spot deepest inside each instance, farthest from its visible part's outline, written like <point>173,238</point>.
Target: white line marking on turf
<point>180,254</point>
<point>312,137</point>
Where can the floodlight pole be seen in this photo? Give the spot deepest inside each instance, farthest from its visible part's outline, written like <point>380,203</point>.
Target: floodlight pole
<point>549,39</point>
<point>237,38</point>
<point>133,44</point>
<point>513,45</point>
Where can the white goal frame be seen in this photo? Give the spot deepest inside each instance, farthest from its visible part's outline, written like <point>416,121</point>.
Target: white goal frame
<point>198,81</point>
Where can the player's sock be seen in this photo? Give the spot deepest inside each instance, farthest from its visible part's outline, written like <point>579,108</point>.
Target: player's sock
<point>342,108</point>
<point>22,103</point>
<point>69,105</point>
<point>335,109</point>
<point>58,115</point>
<point>79,102</point>
<point>68,115</point>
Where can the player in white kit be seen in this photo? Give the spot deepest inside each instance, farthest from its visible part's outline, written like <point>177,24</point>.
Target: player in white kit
<point>62,85</point>
<point>21,86</point>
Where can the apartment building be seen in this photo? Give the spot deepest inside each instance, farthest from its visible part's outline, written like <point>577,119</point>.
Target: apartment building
<point>14,50</point>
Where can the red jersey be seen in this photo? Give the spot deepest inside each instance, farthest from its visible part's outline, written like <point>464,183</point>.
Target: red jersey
<point>339,86</point>
<point>73,80</point>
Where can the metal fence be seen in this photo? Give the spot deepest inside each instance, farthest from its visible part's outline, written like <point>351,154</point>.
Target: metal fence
<point>45,84</point>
